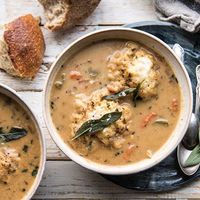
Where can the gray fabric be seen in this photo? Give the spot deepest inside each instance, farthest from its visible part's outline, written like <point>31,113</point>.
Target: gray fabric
<point>186,13</point>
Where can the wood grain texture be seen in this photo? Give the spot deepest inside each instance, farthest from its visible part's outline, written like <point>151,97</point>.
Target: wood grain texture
<point>74,182</point>
<point>108,11</point>
<point>67,180</point>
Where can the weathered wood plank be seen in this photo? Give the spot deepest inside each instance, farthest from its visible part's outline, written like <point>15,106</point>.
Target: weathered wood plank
<point>108,11</point>
<point>67,180</point>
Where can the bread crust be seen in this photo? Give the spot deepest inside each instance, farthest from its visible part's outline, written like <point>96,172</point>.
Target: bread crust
<point>25,45</point>
<point>66,13</point>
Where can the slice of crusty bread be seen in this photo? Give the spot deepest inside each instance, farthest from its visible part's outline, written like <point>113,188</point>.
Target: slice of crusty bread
<point>5,61</point>
<point>22,47</point>
<point>66,13</point>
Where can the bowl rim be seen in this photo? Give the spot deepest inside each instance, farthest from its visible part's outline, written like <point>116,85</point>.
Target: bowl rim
<point>65,148</point>
<point>15,97</point>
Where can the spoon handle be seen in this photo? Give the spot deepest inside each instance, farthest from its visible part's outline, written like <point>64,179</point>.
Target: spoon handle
<point>179,51</point>
<point>197,105</point>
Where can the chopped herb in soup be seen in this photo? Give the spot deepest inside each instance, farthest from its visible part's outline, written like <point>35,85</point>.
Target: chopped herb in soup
<point>115,76</point>
<point>19,150</point>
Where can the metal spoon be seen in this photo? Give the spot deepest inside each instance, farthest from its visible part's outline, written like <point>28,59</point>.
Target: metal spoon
<point>190,139</point>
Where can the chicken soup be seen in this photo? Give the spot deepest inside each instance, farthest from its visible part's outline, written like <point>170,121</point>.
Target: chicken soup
<point>19,150</point>
<point>115,102</point>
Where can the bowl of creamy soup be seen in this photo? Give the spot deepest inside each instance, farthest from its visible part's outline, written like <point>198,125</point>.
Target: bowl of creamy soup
<point>117,101</point>
<point>22,149</point>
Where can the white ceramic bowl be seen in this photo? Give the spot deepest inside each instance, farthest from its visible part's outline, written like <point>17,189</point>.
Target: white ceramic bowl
<point>13,95</point>
<point>186,102</point>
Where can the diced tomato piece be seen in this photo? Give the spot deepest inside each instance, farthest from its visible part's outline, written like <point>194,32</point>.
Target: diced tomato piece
<point>148,118</point>
<point>174,105</point>
<point>76,75</point>
<point>128,152</point>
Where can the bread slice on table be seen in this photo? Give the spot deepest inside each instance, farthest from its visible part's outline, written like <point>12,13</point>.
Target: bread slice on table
<point>22,47</point>
<point>66,13</point>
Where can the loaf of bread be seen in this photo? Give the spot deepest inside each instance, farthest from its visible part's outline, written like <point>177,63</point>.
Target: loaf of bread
<point>22,47</point>
<point>66,13</point>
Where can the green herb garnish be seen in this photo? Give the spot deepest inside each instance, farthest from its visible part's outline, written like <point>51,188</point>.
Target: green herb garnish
<point>35,171</point>
<point>15,133</point>
<point>194,157</point>
<point>162,121</point>
<point>24,170</point>
<point>120,94</point>
<point>96,125</point>
<point>125,92</point>
<point>136,93</point>
<point>25,148</point>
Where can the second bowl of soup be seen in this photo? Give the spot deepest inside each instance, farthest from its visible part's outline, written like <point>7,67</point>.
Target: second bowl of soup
<point>114,101</point>
<point>22,148</point>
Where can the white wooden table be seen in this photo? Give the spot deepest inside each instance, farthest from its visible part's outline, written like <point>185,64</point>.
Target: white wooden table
<point>63,179</point>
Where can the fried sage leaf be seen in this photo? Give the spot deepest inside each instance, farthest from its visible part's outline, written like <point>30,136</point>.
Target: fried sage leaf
<point>96,125</point>
<point>136,93</point>
<point>123,93</point>
<point>15,133</point>
<point>194,157</point>
<point>120,94</point>
<point>162,121</point>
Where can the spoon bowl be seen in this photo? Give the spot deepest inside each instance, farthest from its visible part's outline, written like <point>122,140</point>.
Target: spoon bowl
<point>182,155</point>
<point>188,143</point>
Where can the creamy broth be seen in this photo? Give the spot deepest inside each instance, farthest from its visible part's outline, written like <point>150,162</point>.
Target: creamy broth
<point>105,68</point>
<point>19,159</point>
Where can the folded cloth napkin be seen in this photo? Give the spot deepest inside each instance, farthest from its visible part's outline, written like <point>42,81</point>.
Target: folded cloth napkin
<point>184,12</point>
